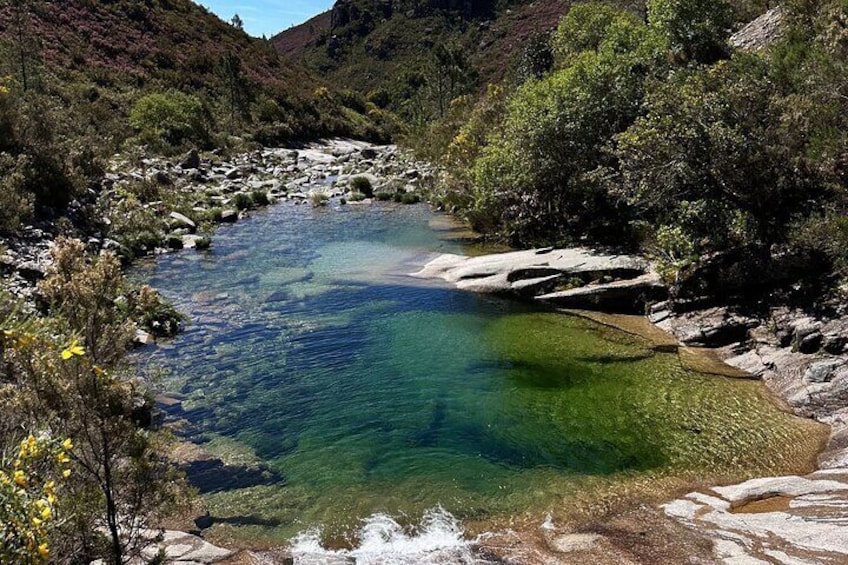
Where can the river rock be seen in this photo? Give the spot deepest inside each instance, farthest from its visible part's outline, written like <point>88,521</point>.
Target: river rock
<point>183,548</point>
<point>182,221</point>
<point>568,543</point>
<point>823,371</point>
<point>229,216</point>
<point>143,338</point>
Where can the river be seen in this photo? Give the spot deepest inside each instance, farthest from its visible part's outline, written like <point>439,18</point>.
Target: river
<point>391,409</point>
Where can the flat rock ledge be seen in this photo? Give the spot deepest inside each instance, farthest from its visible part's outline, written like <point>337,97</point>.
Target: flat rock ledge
<point>787,520</point>
<point>568,278</point>
<point>181,548</point>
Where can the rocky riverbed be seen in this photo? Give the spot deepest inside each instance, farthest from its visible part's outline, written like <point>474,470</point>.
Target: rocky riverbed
<point>199,190</point>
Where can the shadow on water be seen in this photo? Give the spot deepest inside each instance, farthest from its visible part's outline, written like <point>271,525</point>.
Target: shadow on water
<point>546,376</point>
<point>429,436</point>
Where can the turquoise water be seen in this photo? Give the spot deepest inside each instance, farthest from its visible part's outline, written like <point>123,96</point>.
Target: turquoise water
<point>367,391</point>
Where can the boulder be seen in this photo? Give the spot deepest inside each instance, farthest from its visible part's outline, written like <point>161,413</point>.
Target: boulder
<point>630,295</point>
<point>538,271</point>
<point>229,216</point>
<point>181,221</point>
<point>823,371</point>
<point>191,160</point>
<point>143,338</point>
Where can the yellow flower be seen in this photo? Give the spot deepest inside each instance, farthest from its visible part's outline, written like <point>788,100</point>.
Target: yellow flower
<point>45,514</point>
<point>66,473</point>
<point>75,349</point>
<point>62,457</point>
<point>44,551</point>
<point>51,499</point>
<point>36,522</point>
<point>68,444</point>
<point>20,478</point>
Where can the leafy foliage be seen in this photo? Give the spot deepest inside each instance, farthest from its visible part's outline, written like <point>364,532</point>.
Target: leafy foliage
<point>655,134</point>
<point>534,178</point>
<point>696,30</point>
<point>67,373</point>
<point>171,117</point>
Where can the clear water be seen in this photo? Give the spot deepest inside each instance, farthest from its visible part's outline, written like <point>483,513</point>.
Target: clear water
<point>373,394</point>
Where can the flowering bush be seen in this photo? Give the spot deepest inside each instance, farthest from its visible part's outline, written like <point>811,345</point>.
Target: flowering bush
<point>28,503</point>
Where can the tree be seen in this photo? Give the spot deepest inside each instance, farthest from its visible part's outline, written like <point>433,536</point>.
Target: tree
<point>706,156</point>
<point>171,116</point>
<point>67,374</point>
<point>696,30</point>
<point>237,22</point>
<point>450,75</point>
<point>25,44</point>
<point>537,178</point>
<point>538,57</point>
<point>236,87</point>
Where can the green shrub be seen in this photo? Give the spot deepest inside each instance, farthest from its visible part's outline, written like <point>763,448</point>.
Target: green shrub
<point>138,228</point>
<point>16,204</point>
<point>319,198</point>
<point>410,198</point>
<point>155,314</point>
<point>363,185</point>
<point>356,197</point>
<point>172,117</point>
<point>824,237</point>
<point>588,27</point>
<point>383,196</point>
<point>260,198</point>
<point>242,201</point>
<point>203,243</point>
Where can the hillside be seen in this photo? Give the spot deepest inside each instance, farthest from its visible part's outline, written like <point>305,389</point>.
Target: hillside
<point>374,45</point>
<point>121,48</point>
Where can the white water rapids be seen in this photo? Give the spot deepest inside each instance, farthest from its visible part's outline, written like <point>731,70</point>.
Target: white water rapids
<point>438,539</point>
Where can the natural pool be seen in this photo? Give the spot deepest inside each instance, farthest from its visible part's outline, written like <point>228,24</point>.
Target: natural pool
<point>368,391</point>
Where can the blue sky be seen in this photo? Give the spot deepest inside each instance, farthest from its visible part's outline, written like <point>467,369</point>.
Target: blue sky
<point>267,17</point>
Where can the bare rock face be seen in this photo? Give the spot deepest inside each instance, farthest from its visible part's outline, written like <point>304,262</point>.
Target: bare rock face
<point>568,278</point>
<point>783,520</point>
<point>760,33</point>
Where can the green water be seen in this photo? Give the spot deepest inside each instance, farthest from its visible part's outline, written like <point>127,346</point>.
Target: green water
<point>368,391</point>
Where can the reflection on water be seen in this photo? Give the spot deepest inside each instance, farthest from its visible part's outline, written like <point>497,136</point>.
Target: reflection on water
<point>375,394</point>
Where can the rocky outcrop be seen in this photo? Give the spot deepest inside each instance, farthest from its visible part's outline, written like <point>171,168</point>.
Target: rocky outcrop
<point>760,33</point>
<point>567,278</point>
